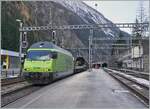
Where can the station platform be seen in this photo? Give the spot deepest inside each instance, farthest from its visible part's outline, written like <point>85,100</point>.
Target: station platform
<point>95,89</point>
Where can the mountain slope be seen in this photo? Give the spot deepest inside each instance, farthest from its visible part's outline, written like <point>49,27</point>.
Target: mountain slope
<point>88,14</point>
<point>55,12</point>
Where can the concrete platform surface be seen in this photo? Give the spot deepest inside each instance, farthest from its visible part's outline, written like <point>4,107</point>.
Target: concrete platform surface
<point>95,89</point>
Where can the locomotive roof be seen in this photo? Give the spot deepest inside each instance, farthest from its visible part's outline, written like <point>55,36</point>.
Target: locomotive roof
<point>46,44</point>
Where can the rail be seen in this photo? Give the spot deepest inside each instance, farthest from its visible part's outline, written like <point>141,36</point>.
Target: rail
<point>138,89</point>
<point>133,71</point>
<point>144,75</point>
<point>8,81</point>
<point>18,93</point>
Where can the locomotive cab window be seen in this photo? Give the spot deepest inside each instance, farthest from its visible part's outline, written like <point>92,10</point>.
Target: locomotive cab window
<point>39,55</point>
<point>54,55</point>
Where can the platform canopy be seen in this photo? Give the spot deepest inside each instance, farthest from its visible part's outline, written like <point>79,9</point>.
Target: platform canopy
<point>10,53</point>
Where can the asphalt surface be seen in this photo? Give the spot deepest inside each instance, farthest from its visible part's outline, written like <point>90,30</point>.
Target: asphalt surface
<point>95,89</point>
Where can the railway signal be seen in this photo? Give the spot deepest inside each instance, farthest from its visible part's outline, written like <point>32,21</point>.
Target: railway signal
<point>54,37</point>
<point>24,40</point>
<point>24,44</point>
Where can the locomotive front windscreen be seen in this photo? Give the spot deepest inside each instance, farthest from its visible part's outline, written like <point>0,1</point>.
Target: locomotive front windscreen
<point>39,55</point>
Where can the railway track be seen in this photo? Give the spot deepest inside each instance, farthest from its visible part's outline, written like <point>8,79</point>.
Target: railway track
<point>16,91</point>
<point>8,81</point>
<point>143,75</point>
<point>137,83</point>
<point>15,88</point>
<point>139,90</point>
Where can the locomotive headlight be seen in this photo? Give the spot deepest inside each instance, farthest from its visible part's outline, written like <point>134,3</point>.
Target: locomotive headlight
<point>25,69</point>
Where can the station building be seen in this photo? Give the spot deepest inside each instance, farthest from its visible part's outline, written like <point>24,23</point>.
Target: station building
<point>9,59</point>
<point>137,57</point>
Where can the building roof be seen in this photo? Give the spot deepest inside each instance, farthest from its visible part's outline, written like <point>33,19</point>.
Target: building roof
<point>10,53</point>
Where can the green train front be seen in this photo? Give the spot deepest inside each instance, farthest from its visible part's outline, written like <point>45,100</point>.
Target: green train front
<point>46,62</point>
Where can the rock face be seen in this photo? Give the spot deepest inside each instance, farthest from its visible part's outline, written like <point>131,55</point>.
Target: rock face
<point>55,12</point>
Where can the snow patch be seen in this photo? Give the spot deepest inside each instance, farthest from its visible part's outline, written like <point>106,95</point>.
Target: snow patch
<point>84,11</point>
<point>139,80</point>
<point>138,87</point>
<point>12,76</point>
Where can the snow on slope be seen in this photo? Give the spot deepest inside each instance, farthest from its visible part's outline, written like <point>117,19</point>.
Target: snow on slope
<point>86,12</point>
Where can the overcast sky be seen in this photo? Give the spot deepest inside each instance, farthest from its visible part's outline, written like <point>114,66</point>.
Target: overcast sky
<point>119,11</point>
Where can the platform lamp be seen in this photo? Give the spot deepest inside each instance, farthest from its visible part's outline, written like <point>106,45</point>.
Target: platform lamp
<point>20,44</point>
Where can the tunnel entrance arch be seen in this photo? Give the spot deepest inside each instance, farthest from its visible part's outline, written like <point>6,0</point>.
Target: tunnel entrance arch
<point>80,64</point>
<point>80,61</point>
<point>104,65</point>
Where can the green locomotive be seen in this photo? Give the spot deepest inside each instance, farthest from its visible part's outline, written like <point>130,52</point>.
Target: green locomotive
<point>46,62</point>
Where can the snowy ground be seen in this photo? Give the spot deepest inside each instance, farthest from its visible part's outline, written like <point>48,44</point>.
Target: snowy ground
<point>138,80</point>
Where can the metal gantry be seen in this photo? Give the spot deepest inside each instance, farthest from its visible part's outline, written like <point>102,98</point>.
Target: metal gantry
<point>90,27</point>
<point>86,26</point>
<point>124,38</point>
